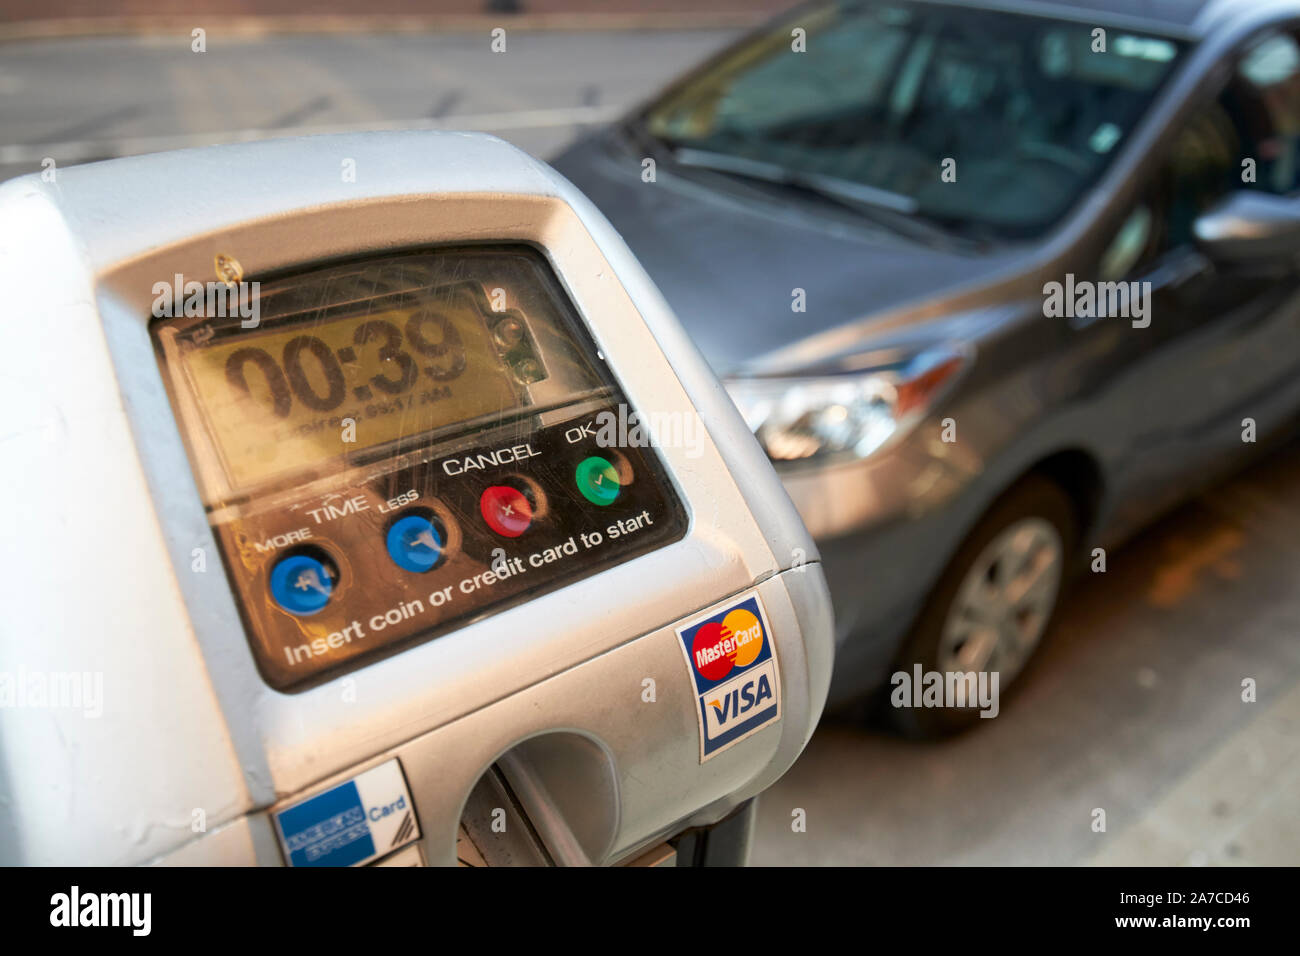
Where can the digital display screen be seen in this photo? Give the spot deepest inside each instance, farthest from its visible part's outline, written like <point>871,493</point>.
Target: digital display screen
<point>279,400</point>
<point>346,360</point>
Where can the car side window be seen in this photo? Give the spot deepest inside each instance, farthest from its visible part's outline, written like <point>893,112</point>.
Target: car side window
<point>1247,138</point>
<point>1264,99</point>
<point>1198,171</point>
<point>1201,169</point>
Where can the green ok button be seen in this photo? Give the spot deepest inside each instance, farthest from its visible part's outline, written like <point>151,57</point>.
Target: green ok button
<point>597,480</point>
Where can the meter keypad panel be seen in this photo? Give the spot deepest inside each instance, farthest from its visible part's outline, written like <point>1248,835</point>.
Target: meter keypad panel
<point>403,445</point>
<point>489,537</point>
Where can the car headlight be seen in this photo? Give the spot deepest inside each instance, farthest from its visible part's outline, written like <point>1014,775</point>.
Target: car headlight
<point>846,415</point>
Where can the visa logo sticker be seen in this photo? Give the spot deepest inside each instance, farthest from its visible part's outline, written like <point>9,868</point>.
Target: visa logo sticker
<point>732,662</point>
<point>351,824</point>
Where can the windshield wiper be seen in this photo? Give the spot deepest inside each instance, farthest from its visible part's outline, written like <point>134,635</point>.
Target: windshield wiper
<point>833,186</point>
<point>894,211</point>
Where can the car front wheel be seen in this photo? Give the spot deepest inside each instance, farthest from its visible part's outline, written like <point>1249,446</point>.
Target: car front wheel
<point>991,607</point>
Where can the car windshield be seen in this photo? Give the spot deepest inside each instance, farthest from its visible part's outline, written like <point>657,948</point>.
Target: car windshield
<point>975,119</point>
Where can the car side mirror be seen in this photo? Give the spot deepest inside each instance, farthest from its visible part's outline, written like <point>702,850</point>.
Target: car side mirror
<point>1250,227</point>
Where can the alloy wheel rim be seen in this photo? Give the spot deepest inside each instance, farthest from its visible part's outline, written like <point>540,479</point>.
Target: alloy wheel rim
<point>1002,606</point>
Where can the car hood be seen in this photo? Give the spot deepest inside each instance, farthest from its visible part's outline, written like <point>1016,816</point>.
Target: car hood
<point>729,259</point>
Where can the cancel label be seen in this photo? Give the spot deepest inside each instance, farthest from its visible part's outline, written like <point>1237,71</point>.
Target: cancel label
<point>489,459</point>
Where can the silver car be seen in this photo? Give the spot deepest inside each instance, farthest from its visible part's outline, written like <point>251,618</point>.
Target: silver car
<point>994,286</point>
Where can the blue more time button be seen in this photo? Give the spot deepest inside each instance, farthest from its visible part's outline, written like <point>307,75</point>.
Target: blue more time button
<point>328,830</point>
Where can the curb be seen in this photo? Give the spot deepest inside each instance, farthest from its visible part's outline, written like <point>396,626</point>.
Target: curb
<point>253,26</point>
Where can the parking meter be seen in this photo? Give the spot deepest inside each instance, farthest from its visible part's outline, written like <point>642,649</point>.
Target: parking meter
<point>369,506</point>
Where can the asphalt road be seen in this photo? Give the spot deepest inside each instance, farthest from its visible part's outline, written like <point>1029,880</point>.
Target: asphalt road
<point>1135,705</point>
<point>99,97</point>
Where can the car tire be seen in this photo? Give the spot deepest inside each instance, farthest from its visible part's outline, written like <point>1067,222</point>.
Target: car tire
<point>981,610</point>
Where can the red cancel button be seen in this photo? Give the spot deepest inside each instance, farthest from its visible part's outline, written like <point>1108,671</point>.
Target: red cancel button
<point>506,511</point>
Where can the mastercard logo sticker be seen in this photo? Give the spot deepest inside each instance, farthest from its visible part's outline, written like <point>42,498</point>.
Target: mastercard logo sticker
<point>733,667</point>
<point>721,646</point>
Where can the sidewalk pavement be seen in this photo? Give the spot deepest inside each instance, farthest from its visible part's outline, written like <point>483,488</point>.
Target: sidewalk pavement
<point>1240,806</point>
<point>53,19</point>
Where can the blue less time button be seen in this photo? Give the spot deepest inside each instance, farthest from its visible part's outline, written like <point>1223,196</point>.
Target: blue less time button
<point>301,584</point>
<point>414,543</point>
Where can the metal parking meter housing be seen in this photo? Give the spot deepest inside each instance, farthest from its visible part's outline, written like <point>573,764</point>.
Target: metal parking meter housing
<point>578,696</point>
